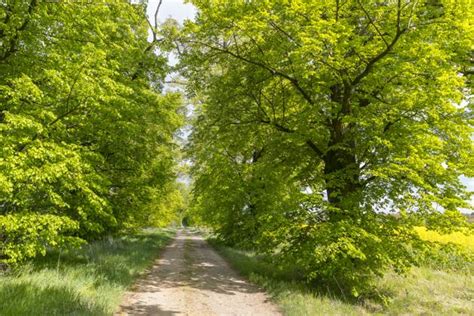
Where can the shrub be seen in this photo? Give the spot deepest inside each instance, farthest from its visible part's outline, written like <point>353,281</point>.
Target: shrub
<point>25,236</point>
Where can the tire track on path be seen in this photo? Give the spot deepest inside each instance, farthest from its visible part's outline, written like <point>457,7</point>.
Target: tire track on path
<point>191,278</point>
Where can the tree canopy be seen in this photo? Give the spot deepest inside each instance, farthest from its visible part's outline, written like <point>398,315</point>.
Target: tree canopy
<point>323,131</point>
<point>317,119</point>
<point>86,132</point>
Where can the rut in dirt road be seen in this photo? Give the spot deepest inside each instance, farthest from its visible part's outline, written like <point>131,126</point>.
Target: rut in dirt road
<point>190,278</point>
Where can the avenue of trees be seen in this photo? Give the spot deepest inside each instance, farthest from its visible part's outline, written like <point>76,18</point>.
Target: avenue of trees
<point>86,133</point>
<point>323,132</point>
<point>326,130</point>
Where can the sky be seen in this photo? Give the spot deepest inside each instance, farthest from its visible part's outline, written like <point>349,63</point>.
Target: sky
<point>175,9</point>
<point>180,11</point>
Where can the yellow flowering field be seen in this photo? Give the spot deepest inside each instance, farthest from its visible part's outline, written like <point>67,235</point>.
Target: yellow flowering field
<point>459,238</point>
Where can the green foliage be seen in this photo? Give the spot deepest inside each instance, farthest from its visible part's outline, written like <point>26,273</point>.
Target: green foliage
<point>316,118</point>
<point>350,254</point>
<point>170,208</point>
<point>86,131</point>
<point>421,291</point>
<point>447,257</point>
<point>27,235</point>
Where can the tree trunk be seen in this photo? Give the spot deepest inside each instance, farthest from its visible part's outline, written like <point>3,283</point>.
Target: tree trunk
<point>340,164</point>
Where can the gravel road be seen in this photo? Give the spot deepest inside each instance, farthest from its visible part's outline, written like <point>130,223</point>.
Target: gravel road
<point>190,278</point>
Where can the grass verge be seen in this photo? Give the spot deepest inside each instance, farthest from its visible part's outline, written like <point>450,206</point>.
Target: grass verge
<point>87,281</point>
<point>424,291</point>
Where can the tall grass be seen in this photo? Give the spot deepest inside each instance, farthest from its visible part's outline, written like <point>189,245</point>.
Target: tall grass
<point>87,281</point>
<point>423,291</point>
<point>449,252</point>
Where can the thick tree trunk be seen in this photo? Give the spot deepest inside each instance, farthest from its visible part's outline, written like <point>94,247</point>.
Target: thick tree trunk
<point>340,164</point>
<point>342,178</point>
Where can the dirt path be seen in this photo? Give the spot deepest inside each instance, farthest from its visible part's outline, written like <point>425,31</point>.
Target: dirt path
<point>190,278</point>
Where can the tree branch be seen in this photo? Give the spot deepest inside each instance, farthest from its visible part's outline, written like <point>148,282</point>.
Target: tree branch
<point>154,28</point>
<point>13,41</point>
<point>371,21</point>
<point>383,53</point>
<point>274,72</point>
<point>285,129</point>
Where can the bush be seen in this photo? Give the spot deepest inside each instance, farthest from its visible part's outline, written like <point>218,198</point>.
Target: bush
<point>24,236</point>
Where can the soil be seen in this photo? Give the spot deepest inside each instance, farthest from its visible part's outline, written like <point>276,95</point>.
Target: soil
<point>191,278</point>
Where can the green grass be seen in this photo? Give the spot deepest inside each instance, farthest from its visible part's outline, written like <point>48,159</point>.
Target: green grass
<point>87,281</point>
<point>424,291</point>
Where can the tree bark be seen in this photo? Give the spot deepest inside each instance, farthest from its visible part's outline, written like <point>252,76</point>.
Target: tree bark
<point>340,164</point>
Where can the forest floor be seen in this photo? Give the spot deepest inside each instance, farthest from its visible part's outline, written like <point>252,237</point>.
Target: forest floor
<point>191,278</point>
